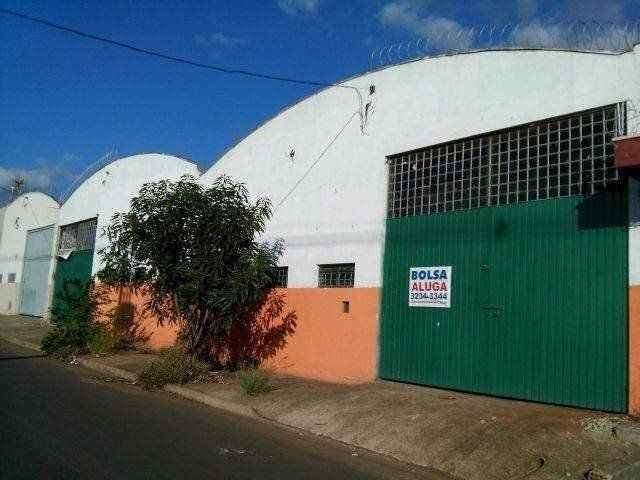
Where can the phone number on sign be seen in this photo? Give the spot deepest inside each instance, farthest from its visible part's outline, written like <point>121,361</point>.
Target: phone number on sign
<point>428,296</point>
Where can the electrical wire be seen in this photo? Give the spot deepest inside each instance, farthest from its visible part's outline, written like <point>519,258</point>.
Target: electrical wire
<point>333,140</point>
<point>128,46</point>
<point>186,61</point>
<point>216,68</point>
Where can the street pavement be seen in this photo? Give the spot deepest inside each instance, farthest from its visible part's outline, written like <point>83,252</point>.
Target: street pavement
<point>61,421</point>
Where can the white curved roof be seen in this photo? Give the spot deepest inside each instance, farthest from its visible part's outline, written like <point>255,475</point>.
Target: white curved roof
<point>112,186</point>
<point>331,194</point>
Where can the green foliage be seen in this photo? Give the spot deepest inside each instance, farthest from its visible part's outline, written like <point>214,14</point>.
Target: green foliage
<point>193,250</point>
<point>172,366</point>
<point>72,314</point>
<point>254,382</point>
<point>104,341</point>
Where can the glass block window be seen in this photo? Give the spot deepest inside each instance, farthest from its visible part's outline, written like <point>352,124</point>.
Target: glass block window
<point>78,236</point>
<point>336,275</point>
<point>11,278</point>
<point>558,157</point>
<point>280,277</point>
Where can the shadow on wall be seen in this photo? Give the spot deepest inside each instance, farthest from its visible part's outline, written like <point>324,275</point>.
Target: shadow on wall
<point>126,321</point>
<point>249,343</point>
<point>260,336</point>
<point>604,209</point>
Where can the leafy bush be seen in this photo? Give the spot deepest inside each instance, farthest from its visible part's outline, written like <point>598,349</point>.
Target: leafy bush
<point>104,341</point>
<point>254,382</point>
<point>195,253</point>
<point>72,315</point>
<point>172,366</point>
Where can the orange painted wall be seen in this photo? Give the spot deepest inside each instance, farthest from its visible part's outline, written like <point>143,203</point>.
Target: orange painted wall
<point>327,344</point>
<point>634,350</point>
<point>158,335</point>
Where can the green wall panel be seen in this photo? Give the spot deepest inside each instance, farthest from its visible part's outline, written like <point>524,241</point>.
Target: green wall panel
<point>538,301</point>
<point>76,267</point>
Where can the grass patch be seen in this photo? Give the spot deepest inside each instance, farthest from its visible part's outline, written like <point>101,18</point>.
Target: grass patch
<point>172,366</point>
<point>254,382</point>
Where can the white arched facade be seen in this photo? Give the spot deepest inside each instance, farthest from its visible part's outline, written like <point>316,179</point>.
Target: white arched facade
<point>336,212</point>
<point>110,189</point>
<point>27,212</point>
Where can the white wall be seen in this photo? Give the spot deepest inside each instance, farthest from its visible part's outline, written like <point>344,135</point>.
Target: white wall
<point>634,195</point>
<point>28,211</point>
<point>337,212</point>
<point>111,188</point>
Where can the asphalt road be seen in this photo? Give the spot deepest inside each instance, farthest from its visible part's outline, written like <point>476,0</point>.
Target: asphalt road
<point>59,421</point>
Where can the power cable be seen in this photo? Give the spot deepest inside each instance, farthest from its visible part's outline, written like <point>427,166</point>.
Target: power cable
<point>304,175</point>
<point>172,58</point>
<point>217,68</point>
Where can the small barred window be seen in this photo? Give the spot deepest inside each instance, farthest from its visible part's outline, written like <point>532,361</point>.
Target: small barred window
<point>336,275</point>
<point>280,277</point>
<point>78,236</point>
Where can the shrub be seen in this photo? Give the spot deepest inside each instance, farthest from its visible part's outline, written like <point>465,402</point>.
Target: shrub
<point>196,254</point>
<point>254,382</point>
<point>104,341</point>
<point>172,366</point>
<point>72,315</point>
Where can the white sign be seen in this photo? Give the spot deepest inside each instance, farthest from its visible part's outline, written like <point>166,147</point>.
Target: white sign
<point>430,287</point>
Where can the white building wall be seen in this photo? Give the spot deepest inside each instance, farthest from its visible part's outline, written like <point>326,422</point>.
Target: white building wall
<point>337,212</point>
<point>634,190</point>
<point>111,189</point>
<point>27,212</point>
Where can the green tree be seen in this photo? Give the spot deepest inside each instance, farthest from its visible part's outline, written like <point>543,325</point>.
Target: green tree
<point>194,251</point>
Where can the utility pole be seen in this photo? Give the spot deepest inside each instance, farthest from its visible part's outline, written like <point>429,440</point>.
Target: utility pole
<point>16,188</point>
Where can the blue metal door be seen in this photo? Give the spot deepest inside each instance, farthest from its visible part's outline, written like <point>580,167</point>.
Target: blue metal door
<point>34,288</point>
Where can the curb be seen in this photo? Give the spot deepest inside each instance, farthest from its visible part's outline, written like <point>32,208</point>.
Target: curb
<point>21,343</point>
<point>210,401</point>
<point>179,390</point>
<point>107,369</point>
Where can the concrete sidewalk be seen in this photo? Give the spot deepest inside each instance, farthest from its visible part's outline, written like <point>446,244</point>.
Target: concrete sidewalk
<point>468,436</point>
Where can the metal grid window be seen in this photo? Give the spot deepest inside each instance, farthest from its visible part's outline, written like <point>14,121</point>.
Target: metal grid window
<point>280,277</point>
<point>11,278</point>
<point>78,236</point>
<point>559,157</point>
<point>336,275</point>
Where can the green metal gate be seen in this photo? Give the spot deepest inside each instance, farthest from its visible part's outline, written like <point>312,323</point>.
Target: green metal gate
<point>538,289</point>
<point>538,302</point>
<point>75,268</point>
<point>75,254</point>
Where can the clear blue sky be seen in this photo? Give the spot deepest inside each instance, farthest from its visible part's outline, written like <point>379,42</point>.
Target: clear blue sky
<point>66,101</point>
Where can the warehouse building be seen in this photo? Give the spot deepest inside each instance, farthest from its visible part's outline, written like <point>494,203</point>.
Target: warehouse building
<point>26,232</point>
<point>459,221</point>
<point>88,210</point>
